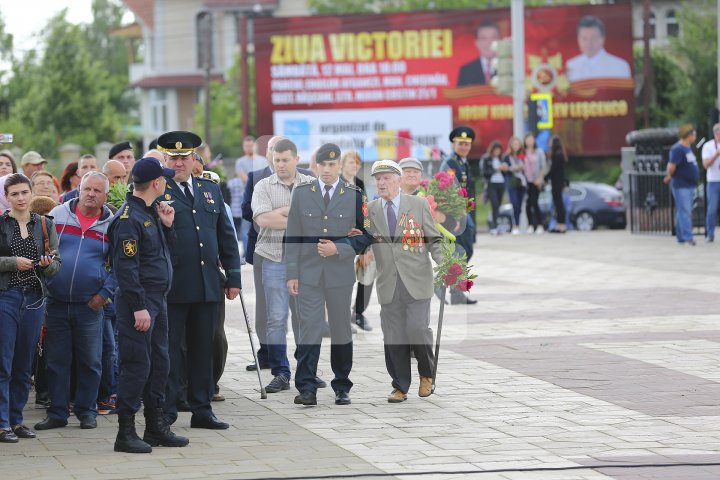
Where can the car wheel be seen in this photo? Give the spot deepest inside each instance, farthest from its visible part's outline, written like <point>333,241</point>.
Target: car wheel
<point>504,224</point>
<point>584,221</point>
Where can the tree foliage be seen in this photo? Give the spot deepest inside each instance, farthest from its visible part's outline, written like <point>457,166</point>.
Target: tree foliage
<point>72,88</point>
<point>696,51</point>
<point>669,81</point>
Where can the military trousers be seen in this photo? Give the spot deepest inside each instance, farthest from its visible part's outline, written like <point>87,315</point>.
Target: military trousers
<point>311,304</point>
<point>144,361</point>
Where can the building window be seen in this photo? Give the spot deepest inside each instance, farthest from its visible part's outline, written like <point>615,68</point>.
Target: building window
<point>653,24</point>
<point>158,109</point>
<point>203,24</point>
<point>671,24</point>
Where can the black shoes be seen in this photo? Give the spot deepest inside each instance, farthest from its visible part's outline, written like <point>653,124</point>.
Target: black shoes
<point>50,423</point>
<point>209,422</point>
<point>342,398</point>
<point>252,367</point>
<point>21,431</point>
<point>183,406</point>
<point>320,382</point>
<point>87,422</point>
<point>7,436</point>
<point>158,433</point>
<point>362,322</point>
<point>457,298</point>
<point>127,439</point>
<point>277,384</point>
<point>306,398</point>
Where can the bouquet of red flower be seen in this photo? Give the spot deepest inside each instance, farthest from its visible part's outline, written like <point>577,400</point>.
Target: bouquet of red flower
<point>448,197</point>
<point>453,272</point>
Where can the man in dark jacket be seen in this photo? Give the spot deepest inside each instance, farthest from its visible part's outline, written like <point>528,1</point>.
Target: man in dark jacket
<point>204,235</point>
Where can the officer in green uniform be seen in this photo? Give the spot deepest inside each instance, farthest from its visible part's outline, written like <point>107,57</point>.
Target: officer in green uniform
<point>204,236</point>
<point>320,270</point>
<point>139,236</point>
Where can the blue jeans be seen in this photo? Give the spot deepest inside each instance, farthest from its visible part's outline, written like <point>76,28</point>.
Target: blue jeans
<point>108,378</point>
<point>277,301</point>
<point>683,212</point>
<point>516,194</point>
<point>21,314</point>
<point>713,197</point>
<point>78,329</point>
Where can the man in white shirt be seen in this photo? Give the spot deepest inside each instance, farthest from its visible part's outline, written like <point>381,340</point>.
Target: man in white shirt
<point>594,61</point>
<point>710,154</point>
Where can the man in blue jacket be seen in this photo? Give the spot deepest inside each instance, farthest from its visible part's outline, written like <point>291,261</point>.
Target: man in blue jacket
<point>75,303</point>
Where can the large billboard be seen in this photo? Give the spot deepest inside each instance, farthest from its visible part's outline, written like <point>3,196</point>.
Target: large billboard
<point>368,78</point>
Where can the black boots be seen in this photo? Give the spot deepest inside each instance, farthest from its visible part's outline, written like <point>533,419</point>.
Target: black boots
<point>157,431</point>
<point>127,439</point>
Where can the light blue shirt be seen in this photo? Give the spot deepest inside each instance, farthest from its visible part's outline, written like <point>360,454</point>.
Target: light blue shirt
<point>395,206</point>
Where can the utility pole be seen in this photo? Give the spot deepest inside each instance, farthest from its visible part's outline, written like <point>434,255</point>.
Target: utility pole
<point>207,66</point>
<point>243,20</point>
<point>517,20</point>
<point>647,65</point>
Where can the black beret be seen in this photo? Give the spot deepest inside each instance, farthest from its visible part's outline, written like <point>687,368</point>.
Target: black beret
<point>119,147</point>
<point>462,133</point>
<point>149,168</point>
<point>178,143</point>
<point>329,151</point>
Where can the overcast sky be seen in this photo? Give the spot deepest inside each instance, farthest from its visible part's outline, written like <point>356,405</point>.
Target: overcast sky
<point>25,18</point>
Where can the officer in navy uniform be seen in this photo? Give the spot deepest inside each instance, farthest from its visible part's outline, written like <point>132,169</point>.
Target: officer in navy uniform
<point>140,234</point>
<point>204,236</point>
<point>320,257</point>
<point>462,139</point>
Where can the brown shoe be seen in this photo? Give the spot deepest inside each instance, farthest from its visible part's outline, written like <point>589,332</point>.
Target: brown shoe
<point>218,397</point>
<point>425,387</point>
<point>397,396</point>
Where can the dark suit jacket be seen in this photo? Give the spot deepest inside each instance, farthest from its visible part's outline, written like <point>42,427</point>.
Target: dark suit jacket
<point>247,214</point>
<point>204,234</point>
<point>471,74</point>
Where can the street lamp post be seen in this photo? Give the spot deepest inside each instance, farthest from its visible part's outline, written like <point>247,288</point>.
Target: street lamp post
<point>517,20</point>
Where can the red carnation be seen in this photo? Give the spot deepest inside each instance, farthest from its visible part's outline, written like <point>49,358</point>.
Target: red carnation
<point>462,192</point>
<point>449,280</point>
<point>455,269</point>
<point>465,285</point>
<point>424,183</point>
<point>439,176</point>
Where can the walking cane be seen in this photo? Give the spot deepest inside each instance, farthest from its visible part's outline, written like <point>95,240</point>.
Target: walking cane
<point>439,334</point>
<point>263,393</point>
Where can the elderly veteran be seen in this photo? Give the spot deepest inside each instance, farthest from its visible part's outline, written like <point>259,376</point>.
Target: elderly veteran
<point>404,236</point>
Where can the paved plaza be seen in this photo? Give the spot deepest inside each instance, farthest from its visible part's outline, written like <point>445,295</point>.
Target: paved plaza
<point>585,349</point>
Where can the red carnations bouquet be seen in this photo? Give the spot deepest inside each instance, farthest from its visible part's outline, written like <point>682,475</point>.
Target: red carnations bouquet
<point>450,199</point>
<point>453,272</point>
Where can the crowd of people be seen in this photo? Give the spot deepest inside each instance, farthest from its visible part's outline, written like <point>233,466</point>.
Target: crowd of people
<point>110,307</point>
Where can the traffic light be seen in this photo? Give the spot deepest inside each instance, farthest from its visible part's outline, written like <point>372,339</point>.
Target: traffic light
<point>502,65</point>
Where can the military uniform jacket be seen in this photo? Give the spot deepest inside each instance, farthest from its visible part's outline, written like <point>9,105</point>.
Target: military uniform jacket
<point>405,255</point>
<point>462,173</point>
<point>204,235</point>
<point>140,253</point>
<point>309,221</point>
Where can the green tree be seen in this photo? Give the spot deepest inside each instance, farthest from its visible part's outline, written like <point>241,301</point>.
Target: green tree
<point>696,49</point>
<point>668,84</point>
<point>65,98</point>
<point>225,111</point>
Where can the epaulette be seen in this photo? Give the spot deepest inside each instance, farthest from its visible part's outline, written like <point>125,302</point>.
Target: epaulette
<point>305,183</point>
<point>125,212</point>
<point>353,186</point>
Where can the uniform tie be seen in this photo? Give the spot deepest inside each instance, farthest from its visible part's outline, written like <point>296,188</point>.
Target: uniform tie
<point>186,189</point>
<point>392,219</point>
<point>326,197</point>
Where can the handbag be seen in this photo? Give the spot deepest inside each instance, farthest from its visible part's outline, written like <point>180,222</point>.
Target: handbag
<point>46,237</point>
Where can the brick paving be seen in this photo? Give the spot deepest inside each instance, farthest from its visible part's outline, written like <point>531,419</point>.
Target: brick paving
<point>585,350</point>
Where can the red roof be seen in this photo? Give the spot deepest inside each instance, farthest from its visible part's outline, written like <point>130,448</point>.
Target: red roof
<point>170,81</point>
<point>143,10</point>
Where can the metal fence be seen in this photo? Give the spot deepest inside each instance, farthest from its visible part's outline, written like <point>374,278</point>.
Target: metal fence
<point>652,208</point>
